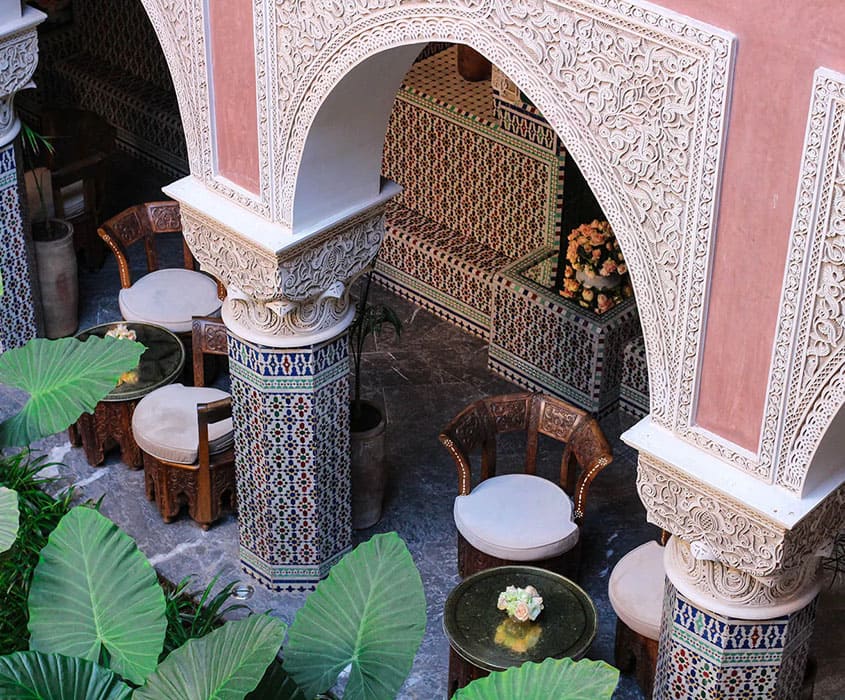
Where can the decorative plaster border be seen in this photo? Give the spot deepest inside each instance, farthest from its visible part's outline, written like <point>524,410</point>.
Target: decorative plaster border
<point>18,60</point>
<point>807,378</point>
<point>182,27</point>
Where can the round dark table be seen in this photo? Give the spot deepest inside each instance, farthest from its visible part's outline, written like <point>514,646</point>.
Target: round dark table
<point>111,423</point>
<point>483,639</point>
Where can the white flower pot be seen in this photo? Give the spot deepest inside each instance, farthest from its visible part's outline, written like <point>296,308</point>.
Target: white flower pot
<point>597,281</point>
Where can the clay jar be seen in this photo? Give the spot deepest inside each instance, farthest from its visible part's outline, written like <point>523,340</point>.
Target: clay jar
<point>472,65</point>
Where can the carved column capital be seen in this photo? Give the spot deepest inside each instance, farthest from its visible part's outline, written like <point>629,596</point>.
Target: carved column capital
<point>294,297</point>
<point>18,59</point>
<point>733,593</point>
<point>728,530</point>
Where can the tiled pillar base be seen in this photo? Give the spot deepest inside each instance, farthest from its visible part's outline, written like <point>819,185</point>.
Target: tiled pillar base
<point>17,309</point>
<point>705,655</point>
<point>291,414</point>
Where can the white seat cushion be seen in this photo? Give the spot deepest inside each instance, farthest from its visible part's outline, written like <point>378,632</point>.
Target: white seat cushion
<point>518,517</point>
<point>165,423</point>
<point>636,589</point>
<point>169,298</point>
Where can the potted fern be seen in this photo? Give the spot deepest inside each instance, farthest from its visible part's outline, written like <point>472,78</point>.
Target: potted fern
<point>369,472</point>
<point>53,241</point>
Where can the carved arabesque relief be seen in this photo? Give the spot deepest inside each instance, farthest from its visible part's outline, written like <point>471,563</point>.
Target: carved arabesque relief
<point>299,291</point>
<point>731,586</point>
<point>734,534</point>
<point>807,380</point>
<point>18,59</point>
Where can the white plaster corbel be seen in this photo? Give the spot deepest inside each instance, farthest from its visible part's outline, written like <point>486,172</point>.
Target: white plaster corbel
<point>18,60</point>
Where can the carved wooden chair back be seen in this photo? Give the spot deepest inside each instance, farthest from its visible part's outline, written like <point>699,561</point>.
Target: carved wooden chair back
<point>142,223</point>
<point>208,337</point>
<point>475,429</point>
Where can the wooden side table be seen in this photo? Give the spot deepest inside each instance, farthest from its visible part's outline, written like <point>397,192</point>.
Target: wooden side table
<point>111,423</point>
<point>482,638</point>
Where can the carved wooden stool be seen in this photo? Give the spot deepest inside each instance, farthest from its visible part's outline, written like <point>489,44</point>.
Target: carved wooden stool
<point>636,593</point>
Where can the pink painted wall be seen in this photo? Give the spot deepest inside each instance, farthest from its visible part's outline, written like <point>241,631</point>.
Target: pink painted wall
<point>780,43</point>
<point>235,105</point>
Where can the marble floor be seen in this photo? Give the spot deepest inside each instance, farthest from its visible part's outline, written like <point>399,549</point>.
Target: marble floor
<point>422,379</point>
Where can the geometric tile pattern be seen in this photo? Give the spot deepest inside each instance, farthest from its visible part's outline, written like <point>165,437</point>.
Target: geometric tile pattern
<point>110,61</point>
<point>494,198</point>
<point>704,655</point>
<point>633,387</point>
<point>444,271</point>
<point>291,416</point>
<point>438,75</point>
<point>542,341</point>
<point>17,306</point>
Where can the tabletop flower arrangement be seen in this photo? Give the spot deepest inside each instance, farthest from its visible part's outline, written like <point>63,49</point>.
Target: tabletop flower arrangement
<point>595,271</point>
<point>122,332</point>
<point>521,604</point>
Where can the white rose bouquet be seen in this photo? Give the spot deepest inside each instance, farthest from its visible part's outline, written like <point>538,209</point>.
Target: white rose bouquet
<point>521,604</point>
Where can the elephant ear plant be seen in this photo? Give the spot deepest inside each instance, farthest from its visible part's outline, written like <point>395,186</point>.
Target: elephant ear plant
<point>97,619</point>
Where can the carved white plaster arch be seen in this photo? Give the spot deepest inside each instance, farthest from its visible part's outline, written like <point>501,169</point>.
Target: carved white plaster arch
<point>638,94</point>
<point>807,379</point>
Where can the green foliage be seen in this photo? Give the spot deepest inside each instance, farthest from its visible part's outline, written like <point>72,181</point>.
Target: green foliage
<point>562,679</point>
<point>369,612</point>
<point>39,515</point>
<point>31,675</point>
<point>94,595</point>
<point>64,379</point>
<point>191,618</point>
<point>224,665</point>
<point>370,320</point>
<point>8,518</point>
<point>276,685</point>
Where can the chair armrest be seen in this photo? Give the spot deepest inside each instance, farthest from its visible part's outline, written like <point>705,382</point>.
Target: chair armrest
<point>207,413</point>
<point>593,453</point>
<point>79,170</point>
<point>461,462</point>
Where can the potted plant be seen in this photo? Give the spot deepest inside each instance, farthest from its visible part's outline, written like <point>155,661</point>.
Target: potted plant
<point>55,258</point>
<point>369,473</point>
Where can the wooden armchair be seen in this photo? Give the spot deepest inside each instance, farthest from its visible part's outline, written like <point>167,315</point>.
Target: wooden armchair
<point>168,297</point>
<point>518,518</point>
<point>79,166</point>
<point>187,439</point>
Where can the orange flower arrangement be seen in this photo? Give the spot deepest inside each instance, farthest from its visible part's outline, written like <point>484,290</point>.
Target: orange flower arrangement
<point>594,251</point>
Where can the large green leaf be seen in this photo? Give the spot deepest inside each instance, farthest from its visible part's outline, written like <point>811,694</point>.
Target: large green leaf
<point>369,612</point>
<point>276,685</point>
<point>562,679</point>
<point>95,595</point>
<point>64,379</point>
<point>8,518</point>
<point>224,665</point>
<point>31,675</point>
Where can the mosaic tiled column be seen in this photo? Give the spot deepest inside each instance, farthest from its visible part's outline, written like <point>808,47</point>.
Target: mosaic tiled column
<point>291,411</point>
<point>750,643</point>
<point>18,58</point>
<point>287,313</point>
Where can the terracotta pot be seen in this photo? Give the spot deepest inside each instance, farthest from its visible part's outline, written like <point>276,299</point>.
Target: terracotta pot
<point>369,472</point>
<point>472,65</point>
<point>57,278</point>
